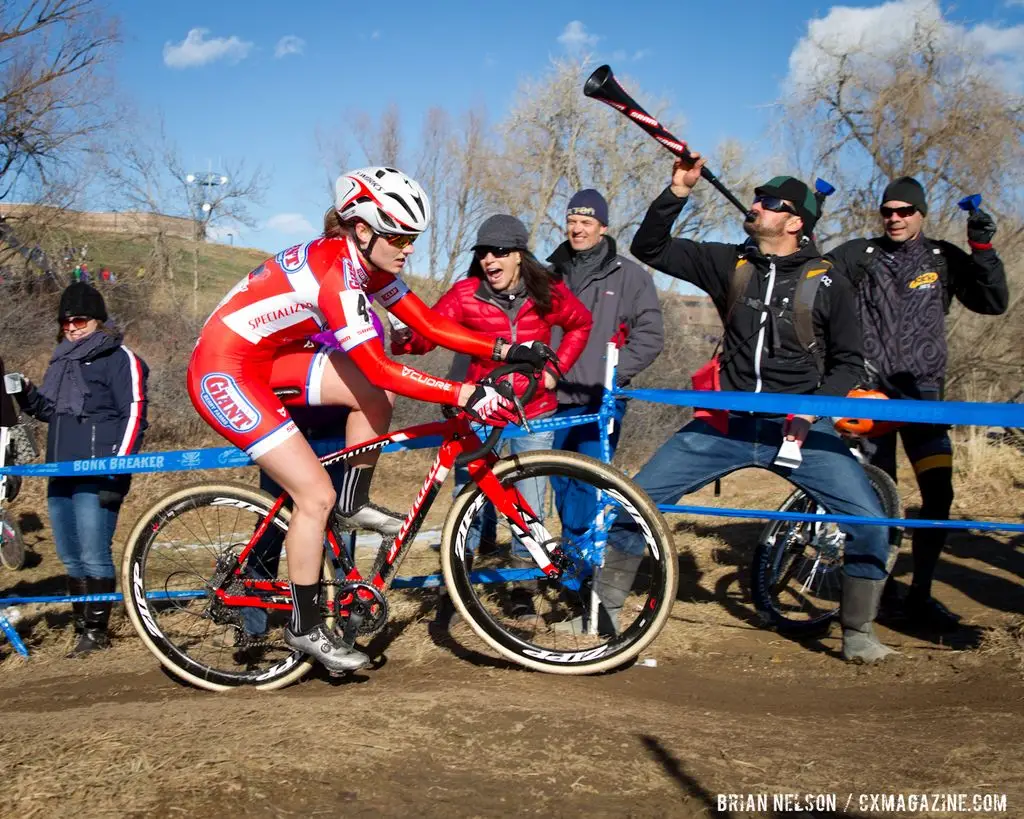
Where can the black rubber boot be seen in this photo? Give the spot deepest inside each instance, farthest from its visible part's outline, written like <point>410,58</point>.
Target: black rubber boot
<point>857,612</point>
<point>613,584</point>
<point>97,618</point>
<point>77,587</point>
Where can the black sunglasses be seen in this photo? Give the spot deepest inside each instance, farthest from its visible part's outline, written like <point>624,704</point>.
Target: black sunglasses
<point>902,212</point>
<point>481,251</point>
<point>775,204</point>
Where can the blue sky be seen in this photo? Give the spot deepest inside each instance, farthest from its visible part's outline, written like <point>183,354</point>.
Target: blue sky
<point>257,80</point>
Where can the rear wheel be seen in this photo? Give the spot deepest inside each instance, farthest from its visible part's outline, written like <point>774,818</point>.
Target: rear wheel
<point>797,566</point>
<point>182,550</point>
<point>544,623</point>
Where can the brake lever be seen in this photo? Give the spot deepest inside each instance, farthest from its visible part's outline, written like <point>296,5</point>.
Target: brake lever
<point>522,413</point>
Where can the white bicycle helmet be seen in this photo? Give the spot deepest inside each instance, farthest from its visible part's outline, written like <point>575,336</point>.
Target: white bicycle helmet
<point>386,199</point>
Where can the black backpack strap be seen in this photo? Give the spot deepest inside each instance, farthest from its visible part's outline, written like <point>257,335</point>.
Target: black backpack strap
<point>811,275</point>
<point>739,281</point>
<point>938,259</point>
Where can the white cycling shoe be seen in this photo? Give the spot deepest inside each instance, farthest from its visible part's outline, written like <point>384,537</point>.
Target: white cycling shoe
<point>320,644</point>
<point>373,518</point>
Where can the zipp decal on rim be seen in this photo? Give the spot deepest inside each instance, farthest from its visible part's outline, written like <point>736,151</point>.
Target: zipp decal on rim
<point>638,519</point>
<point>568,656</point>
<point>139,593</point>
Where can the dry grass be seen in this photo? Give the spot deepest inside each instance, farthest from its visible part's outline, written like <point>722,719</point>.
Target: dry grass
<point>1006,641</point>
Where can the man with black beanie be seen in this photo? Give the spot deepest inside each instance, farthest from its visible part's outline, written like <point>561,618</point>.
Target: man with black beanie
<point>905,283</point>
<point>764,350</point>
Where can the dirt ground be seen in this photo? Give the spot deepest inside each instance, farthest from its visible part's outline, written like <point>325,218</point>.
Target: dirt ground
<point>440,728</point>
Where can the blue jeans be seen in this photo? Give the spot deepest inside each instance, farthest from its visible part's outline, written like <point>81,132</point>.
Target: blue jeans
<point>698,454</point>
<point>485,524</point>
<point>576,502</point>
<point>83,516</point>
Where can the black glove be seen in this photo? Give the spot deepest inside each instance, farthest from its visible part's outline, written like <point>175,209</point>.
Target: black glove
<point>536,354</point>
<point>981,227</point>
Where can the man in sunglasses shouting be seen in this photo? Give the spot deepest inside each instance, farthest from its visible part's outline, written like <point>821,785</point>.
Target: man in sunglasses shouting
<point>905,283</point>
<point>765,289</point>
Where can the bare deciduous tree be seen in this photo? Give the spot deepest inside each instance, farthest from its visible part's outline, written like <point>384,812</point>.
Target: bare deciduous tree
<point>52,53</point>
<point>557,141</point>
<point>931,108</point>
<point>145,173</point>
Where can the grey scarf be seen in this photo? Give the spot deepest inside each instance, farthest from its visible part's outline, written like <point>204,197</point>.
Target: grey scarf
<point>64,382</point>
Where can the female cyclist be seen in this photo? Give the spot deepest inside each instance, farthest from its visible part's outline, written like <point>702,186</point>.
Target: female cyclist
<point>258,340</point>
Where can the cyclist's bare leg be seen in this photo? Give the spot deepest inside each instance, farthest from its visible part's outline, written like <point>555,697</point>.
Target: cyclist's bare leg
<point>370,407</point>
<point>294,466</point>
<point>370,416</point>
<point>297,470</point>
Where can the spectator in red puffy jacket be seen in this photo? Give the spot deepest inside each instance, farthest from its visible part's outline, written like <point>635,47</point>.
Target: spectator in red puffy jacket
<point>507,293</point>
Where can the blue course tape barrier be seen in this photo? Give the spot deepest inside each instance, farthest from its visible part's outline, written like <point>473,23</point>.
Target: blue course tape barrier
<point>189,460</point>
<point>931,412</point>
<point>906,523</point>
<point>922,412</point>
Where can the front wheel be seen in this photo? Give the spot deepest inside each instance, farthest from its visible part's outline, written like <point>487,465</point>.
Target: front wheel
<point>12,544</point>
<point>177,559</point>
<point>797,565</point>
<point>605,606</point>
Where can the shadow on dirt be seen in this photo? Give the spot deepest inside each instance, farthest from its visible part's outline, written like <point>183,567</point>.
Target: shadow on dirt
<point>694,790</point>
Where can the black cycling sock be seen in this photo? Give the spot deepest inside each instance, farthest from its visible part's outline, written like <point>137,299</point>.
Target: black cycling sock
<point>305,607</point>
<point>936,487</point>
<point>355,489</point>
<point>926,548</point>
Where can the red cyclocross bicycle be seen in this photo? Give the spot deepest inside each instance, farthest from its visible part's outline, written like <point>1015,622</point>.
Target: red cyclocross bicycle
<point>206,587</point>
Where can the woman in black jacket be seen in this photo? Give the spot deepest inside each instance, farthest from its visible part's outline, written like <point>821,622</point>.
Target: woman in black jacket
<point>93,397</point>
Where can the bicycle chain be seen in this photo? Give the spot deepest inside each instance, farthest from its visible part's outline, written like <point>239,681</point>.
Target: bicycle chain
<point>231,616</point>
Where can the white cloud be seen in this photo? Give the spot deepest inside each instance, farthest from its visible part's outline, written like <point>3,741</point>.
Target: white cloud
<point>999,42</point>
<point>576,38</point>
<point>196,50</point>
<point>620,55</point>
<point>289,44</point>
<point>293,224</point>
<point>886,29</point>
<point>1014,3</point>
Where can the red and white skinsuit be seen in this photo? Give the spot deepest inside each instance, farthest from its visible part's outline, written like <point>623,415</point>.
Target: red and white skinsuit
<point>258,340</point>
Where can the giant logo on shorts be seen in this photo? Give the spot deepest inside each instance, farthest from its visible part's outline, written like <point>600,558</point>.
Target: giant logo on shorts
<point>292,259</point>
<point>226,403</point>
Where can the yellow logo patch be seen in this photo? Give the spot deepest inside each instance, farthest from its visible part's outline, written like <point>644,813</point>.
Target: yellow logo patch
<point>924,280</point>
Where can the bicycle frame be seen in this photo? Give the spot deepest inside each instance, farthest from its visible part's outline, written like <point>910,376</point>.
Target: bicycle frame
<point>459,438</point>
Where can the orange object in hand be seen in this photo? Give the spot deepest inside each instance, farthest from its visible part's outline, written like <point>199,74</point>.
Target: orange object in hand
<point>865,427</point>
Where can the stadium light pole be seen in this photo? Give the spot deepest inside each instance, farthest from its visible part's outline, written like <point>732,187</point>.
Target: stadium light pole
<point>202,199</point>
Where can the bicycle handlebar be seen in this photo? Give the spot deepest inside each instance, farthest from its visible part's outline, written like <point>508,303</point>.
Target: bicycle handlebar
<point>493,379</point>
